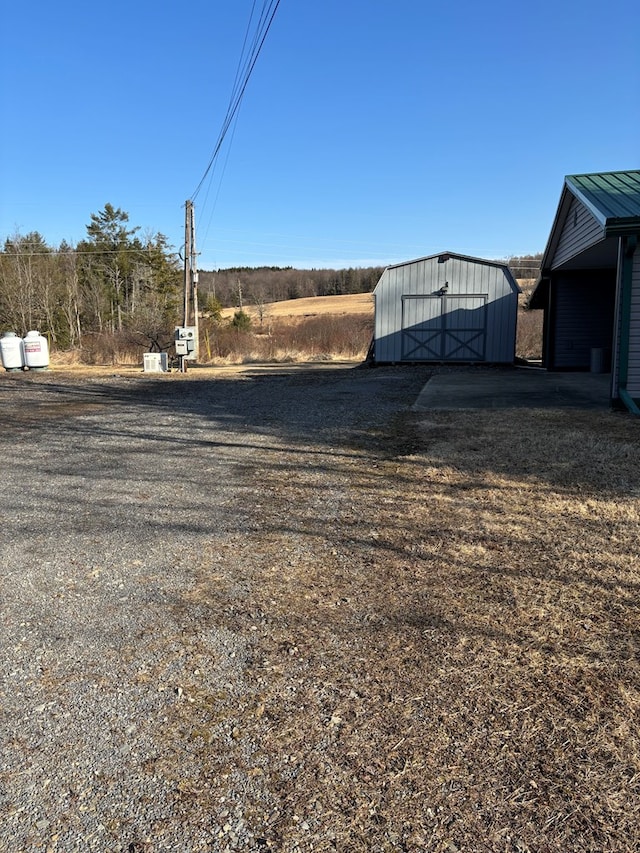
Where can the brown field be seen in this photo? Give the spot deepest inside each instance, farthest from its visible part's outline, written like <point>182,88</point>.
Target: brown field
<point>352,303</point>
<point>294,313</point>
<point>325,328</point>
<point>296,309</point>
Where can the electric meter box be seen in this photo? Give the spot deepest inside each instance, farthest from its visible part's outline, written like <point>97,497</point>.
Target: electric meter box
<point>185,341</point>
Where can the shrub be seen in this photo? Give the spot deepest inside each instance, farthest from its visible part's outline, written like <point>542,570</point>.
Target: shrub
<point>110,348</point>
<point>241,320</point>
<point>529,334</point>
<point>312,338</point>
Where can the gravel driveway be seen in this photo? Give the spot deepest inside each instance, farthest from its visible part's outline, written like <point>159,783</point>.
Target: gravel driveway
<point>138,514</point>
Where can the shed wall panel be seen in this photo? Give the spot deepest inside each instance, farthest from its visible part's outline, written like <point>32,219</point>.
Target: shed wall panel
<point>462,277</point>
<point>580,231</point>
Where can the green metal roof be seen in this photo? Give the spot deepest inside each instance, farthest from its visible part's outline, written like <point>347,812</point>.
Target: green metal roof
<point>612,197</point>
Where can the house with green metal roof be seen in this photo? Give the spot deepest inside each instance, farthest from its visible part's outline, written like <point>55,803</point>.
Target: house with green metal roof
<point>589,284</point>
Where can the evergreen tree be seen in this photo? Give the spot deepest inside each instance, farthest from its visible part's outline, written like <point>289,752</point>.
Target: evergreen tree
<point>128,283</point>
<point>108,260</point>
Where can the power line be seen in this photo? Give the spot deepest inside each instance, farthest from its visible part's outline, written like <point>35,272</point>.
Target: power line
<point>243,74</point>
<point>51,252</point>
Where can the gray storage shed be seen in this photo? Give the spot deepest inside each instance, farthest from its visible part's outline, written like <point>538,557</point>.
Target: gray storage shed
<point>589,285</point>
<point>446,308</point>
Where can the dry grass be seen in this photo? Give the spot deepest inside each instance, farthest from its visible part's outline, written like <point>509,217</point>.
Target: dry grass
<point>440,616</point>
<point>323,337</point>
<point>444,639</point>
<point>529,329</point>
<point>295,309</point>
<point>296,330</point>
<point>288,315</point>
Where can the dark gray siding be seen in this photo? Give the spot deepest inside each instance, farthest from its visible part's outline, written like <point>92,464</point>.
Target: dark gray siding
<point>633,377</point>
<point>580,231</point>
<point>583,310</point>
<point>615,356</point>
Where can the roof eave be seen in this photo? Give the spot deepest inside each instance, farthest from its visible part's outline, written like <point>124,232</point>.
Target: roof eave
<point>539,294</point>
<point>554,234</point>
<point>593,209</point>
<point>621,226</point>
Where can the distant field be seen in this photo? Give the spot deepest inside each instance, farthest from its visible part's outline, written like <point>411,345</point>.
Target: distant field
<point>292,312</point>
<point>296,330</point>
<point>352,303</point>
<point>295,309</point>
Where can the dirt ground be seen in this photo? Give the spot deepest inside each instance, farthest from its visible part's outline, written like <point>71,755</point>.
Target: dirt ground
<point>424,626</point>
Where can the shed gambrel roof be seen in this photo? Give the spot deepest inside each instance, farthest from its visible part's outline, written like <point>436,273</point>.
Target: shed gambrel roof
<point>443,257</point>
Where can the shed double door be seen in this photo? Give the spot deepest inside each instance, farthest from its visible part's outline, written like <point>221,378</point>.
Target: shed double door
<point>444,327</point>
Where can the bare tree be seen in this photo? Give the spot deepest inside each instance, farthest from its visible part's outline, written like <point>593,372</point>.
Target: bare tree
<point>260,302</point>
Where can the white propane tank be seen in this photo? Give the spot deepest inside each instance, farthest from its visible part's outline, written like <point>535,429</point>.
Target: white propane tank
<point>36,351</point>
<point>11,351</point>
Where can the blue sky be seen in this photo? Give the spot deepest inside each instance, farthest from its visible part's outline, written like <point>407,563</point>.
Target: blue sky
<point>370,133</point>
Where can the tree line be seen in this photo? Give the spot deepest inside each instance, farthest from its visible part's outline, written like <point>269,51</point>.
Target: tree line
<point>242,286</point>
<point>525,266</point>
<point>117,282</point>
<point>112,282</point>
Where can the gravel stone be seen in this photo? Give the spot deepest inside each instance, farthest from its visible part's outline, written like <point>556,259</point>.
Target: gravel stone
<point>119,494</point>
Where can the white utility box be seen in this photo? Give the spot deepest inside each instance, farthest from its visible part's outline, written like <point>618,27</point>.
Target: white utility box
<point>155,362</point>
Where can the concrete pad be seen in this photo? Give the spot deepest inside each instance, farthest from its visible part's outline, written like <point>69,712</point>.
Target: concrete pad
<point>510,388</point>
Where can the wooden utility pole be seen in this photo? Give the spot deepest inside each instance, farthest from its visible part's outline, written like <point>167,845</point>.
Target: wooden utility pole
<point>186,314</point>
<point>194,282</point>
<point>190,314</point>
